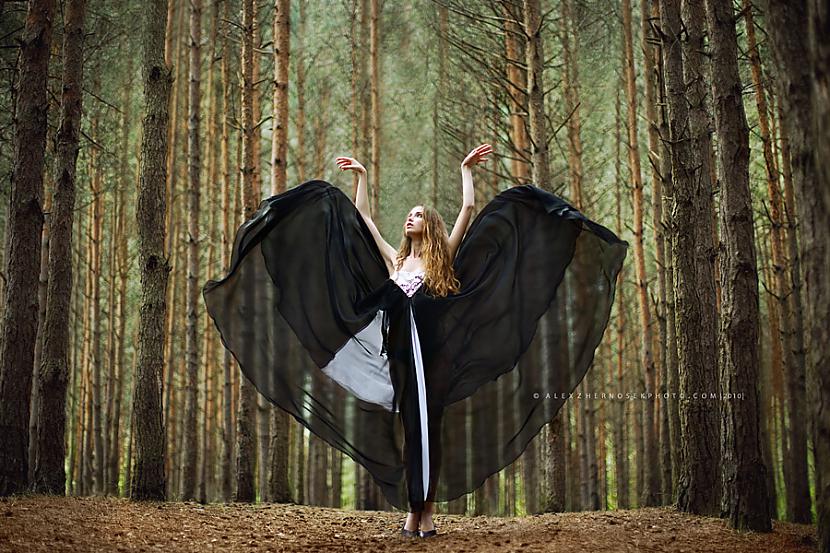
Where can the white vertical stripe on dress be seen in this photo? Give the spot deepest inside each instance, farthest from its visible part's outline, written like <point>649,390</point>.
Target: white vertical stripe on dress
<point>422,400</point>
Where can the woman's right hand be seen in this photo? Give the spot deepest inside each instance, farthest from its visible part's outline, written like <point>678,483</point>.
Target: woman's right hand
<point>346,163</point>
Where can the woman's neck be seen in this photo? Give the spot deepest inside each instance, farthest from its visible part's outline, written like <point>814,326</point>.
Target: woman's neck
<point>415,250</point>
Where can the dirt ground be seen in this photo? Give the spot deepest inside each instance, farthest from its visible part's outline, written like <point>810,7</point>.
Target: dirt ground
<point>40,523</point>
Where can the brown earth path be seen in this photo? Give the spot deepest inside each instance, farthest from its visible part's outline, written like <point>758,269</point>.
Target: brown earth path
<point>37,523</point>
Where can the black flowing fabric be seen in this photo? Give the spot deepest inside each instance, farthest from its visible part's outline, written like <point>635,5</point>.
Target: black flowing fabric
<point>431,395</point>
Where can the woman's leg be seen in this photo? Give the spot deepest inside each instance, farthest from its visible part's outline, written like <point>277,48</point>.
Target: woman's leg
<point>426,516</point>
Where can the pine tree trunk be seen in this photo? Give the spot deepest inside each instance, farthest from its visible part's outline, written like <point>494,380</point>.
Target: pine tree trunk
<point>649,16</point>
<point>110,431</point>
<point>789,45</point>
<point>96,184</point>
<point>269,413</point>
<point>76,324</point>
<point>620,434</point>
<point>744,493</point>
<point>25,224</point>
<point>121,262</point>
<point>766,406</point>
<point>818,239</point>
<point>83,476</point>
<point>671,356</point>
<point>227,243</point>
<point>43,279</point>
<point>781,334</point>
<point>246,416</point>
<point>299,461</point>
<point>795,301</point>
<point>173,248</point>
<point>208,462</point>
<point>699,477</point>
<point>190,434</point>
<point>49,472</point>
<point>794,80</point>
<point>374,31</point>
<point>517,77</point>
<point>263,419</point>
<point>651,463</point>
<point>148,481</point>
<point>278,484</point>
<point>279,136</point>
<point>534,57</point>
<point>570,85</point>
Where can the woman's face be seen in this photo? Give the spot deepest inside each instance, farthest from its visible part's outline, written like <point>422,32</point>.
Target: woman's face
<point>414,224</point>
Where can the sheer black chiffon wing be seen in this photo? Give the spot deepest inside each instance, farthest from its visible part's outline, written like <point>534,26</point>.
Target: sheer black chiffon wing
<point>538,281</point>
<point>290,309</point>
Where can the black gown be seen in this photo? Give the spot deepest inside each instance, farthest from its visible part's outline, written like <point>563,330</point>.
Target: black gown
<point>431,395</point>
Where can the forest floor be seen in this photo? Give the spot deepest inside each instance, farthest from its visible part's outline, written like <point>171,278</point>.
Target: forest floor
<point>37,523</point>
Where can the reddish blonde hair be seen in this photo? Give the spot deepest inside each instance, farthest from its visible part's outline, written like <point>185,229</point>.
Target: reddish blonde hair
<point>439,276</point>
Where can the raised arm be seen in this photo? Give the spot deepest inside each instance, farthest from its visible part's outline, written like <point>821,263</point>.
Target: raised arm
<point>477,155</point>
<point>361,201</point>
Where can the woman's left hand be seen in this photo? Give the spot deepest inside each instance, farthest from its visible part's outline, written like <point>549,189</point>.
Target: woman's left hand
<point>477,155</point>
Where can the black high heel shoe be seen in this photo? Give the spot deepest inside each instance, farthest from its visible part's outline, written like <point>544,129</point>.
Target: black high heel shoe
<point>428,533</point>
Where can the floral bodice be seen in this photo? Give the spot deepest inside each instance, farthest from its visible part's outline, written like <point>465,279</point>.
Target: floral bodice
<point>409,281</point>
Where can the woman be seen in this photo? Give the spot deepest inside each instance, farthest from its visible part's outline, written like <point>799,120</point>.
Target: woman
<point>432,366</point>
<point>424,258</point>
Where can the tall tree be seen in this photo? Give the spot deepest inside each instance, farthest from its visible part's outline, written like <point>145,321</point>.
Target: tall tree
<point>620,451</point>
<point>788,29</point>
<point>818,285</point>
<point>148,480</point>
<point>651,53</point>
<point>744,473</point>
<point>278,480</point>
<point>227,242</point>
<point>24,227</point>
<point>246,417</point>
<point>651,476</point>
<point>699,466</point>
<point>794,80</point>
<point>122,261</point>
<point>49,472</point>
<point>194,167</point>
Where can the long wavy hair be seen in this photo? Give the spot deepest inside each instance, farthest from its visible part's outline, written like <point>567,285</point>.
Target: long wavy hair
<point>439,276</point>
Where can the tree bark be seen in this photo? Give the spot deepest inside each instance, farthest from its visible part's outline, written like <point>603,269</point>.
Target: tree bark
<point>25,224</point>
<point>699,475</point>
<point>651,484</point>
<point>794,82</point>
<point>148,481</point>
<point>49,472</point>
<point>246,416</point>
<point>517,92</point>
<point>534,57</point>
<point>649,16</point>
<point>278,480</point>
<point>375,93</point>
<point>744,473</point>
<point>818,283</point>
<point>194,167</point>
<point>227,243</point>
<point>620,434</point>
